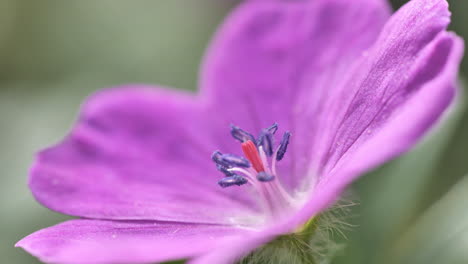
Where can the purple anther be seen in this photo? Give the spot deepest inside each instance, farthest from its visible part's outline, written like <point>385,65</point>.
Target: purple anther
<point>241,134</point>
<point>232,180</point>
<point>216,157</point>
<point>265,177</point>
<point>283,146</point>
<point>266,142</point>
<point>224,170</point>
<point>234,161</point>
<point>273,128</point>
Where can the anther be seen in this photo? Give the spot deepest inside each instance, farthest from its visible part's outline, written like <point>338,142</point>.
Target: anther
<point>250,151</point>
<point>216,157</point>
<point>266,142</point>
<point>273,128</point>
<point>232,180</point>
<point>265,177</point>
<point>224,170</point>
<point>241,134</point>
<point>234,161</point>
<point>283,146</point>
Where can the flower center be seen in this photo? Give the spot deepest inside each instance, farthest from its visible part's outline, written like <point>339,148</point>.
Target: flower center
<point>257,168</point>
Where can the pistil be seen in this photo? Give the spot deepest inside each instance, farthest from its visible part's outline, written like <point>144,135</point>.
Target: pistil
<point>251,153</point>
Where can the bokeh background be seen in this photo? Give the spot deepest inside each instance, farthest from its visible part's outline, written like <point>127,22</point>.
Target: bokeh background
<point>54,53</point>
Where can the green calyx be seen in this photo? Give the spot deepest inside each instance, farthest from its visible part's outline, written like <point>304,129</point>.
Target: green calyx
<point>312,243</point>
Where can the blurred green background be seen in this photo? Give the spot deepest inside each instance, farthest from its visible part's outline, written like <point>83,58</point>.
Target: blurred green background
<point>54,53</point>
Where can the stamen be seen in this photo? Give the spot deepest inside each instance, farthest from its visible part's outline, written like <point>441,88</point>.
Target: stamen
<point>283,146</point>
<point>232,180</point>
<point>247,172</point>
<point>234,161</point>
<point>255,169</point>
<point>265,177</point>
<point>264,159</point>
<point>274,160</point>
<point>216,157</point>
<point>266,141</point>
<point>241,134</point>
<point>250,151</point>
<point>273,128</point>
<point>224,170</point>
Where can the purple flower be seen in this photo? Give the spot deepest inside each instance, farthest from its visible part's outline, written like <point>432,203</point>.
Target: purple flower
<point>353,87</point>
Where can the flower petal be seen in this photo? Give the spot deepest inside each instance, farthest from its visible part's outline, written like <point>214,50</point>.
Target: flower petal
<point>138,153</point>
<point>391,98</point>
<point>268,53</point>
<point>95,241</point>
<point>231,250</point>
<point>422,59</point>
